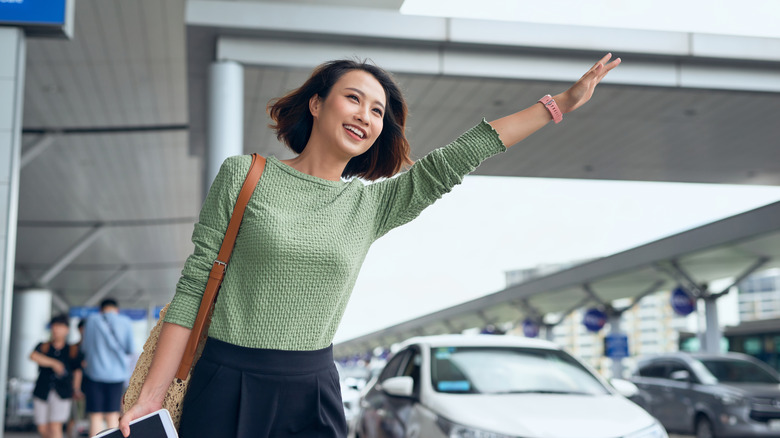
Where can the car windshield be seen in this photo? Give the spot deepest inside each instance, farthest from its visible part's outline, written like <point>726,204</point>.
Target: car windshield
<point>738,371</point>
<point>505,370</point>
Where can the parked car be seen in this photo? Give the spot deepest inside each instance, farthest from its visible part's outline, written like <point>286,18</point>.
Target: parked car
<point>723,395</point>
<point>493,386</point>
<point>352,380</point>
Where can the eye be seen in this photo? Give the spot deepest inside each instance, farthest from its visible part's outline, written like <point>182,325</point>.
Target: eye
<point>353,97</point>
<point>378,112</point>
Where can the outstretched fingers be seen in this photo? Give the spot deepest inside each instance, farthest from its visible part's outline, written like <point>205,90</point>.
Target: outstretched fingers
<point>602,67</point>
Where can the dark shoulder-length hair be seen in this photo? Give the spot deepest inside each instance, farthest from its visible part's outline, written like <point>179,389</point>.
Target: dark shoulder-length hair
<point>293,120</point>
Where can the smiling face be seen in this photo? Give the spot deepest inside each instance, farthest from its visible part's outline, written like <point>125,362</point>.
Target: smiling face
<point>349,120</point>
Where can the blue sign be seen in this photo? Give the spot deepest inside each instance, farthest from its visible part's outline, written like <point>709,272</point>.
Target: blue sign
<point>39,17</point>
<point>594,319</point>
<point>682,302</point>
<point>530,328</point>
<point>82,312</point>
<point>616,345</point>
<point>134,314</point>
<point>41,12</point>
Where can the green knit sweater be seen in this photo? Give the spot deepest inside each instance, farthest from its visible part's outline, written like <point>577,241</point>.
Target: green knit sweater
<point>303,240</point>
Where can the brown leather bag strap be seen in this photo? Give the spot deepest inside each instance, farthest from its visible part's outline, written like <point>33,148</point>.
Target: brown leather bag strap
<point>202,321</point>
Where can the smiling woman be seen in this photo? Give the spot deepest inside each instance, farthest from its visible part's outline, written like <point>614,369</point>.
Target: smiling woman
<point>267,367</point>
<point>345,87</point>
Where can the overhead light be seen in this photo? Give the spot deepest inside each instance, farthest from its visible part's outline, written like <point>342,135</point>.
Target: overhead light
<point>755,18</point>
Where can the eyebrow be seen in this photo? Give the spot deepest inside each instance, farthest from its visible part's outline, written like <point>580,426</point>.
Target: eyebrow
<point>362,94</point>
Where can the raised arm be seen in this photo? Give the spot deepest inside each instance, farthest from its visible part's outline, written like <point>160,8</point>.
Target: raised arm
<point>515,127</point>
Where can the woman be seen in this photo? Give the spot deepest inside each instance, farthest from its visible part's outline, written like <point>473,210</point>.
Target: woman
<point>267,368</point>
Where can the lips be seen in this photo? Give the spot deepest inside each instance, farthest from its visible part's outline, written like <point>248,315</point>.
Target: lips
<point>355,131</point>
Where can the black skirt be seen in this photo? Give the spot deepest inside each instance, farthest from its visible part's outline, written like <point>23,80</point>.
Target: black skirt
<point>250,392</point>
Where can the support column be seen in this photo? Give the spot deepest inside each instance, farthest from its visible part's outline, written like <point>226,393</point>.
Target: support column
<point>713,334</point>
<point>226,116</point>
<point>615,321</point>
<point>31,314</point>
<point>549,334</point>
<point>12,67</point>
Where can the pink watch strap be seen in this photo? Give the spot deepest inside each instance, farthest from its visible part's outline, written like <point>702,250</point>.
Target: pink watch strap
<point>552,107</point>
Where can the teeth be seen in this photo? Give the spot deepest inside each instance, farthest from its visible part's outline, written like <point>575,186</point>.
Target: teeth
<point>357,132</point>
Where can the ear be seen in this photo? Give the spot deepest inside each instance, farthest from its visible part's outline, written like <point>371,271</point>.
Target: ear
<point>314,105</point>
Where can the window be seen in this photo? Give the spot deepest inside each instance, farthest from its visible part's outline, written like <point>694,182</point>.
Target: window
<point>678,366</point>
<point>655,370</point>
<point>391,369</point>
<point>412,369</point>
<point>738,371</point>
<point>505,370</point>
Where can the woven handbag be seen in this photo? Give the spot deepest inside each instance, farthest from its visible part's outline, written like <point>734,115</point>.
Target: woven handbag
<point>174,398</point>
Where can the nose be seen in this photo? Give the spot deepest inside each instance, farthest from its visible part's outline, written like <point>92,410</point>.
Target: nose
<point>362,114</point>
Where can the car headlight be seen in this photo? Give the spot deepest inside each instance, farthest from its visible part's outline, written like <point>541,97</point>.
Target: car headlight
<point>654,431</point>
<point>731,399</point>
<point>455,430</point>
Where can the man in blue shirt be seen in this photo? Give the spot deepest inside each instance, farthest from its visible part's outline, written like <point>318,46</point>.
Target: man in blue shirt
<point>108,340</point>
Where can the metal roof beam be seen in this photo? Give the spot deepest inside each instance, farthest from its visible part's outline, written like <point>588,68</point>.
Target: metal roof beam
<point>37,148</point>
<point>751,269</point>
<point>60,302</point>
<point>71,254</point>
<point>109,285</point>
<point>654,287</point>
<point>487,62</point>
<point>318,22</point>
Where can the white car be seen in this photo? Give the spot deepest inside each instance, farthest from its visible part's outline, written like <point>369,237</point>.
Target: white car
<point>493,386</point>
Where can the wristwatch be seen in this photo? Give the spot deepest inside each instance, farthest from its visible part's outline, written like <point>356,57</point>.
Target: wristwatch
<point>552,107</point>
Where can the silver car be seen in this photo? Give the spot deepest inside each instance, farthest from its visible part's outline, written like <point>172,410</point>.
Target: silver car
<point>724,395</point>
<point>492,386</point>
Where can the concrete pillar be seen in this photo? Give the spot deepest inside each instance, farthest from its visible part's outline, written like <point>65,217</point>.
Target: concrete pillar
<point>226,116</point>
<point>31,315</point>
<point>549,334</point>
<point>615,329</point>
<point>12,68</point>
<point>712,334</point>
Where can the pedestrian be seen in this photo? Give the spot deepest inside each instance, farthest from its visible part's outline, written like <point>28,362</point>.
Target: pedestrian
<point>59,378</point>
<point>267,368</point>
<point>107,342</point>
<point>77,412</point>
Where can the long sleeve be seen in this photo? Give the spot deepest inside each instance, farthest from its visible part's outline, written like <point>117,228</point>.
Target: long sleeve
<point>128,337</point>
<point>207,237</point>
<point>404,197</point>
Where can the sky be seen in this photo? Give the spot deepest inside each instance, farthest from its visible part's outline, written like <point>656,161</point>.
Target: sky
<point>753,18</point>
<point>460,247</point>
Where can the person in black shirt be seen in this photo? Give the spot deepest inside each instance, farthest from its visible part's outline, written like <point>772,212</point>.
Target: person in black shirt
<point>59,378</point>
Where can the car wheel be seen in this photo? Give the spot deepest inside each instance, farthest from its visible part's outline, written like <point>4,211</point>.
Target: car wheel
<point>704,428</point>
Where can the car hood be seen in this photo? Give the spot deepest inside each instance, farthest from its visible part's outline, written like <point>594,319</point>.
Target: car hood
<point>544,415</point>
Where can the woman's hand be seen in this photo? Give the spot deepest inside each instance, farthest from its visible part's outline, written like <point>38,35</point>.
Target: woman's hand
<point>582,90</point>
<point>139,409</point>
<point>59,368</point>
<point>515,127</point>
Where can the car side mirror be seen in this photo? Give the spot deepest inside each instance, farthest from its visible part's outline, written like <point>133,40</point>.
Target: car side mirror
<point>624,387</point>
<point>680,376</point>
<point>401,386</point>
